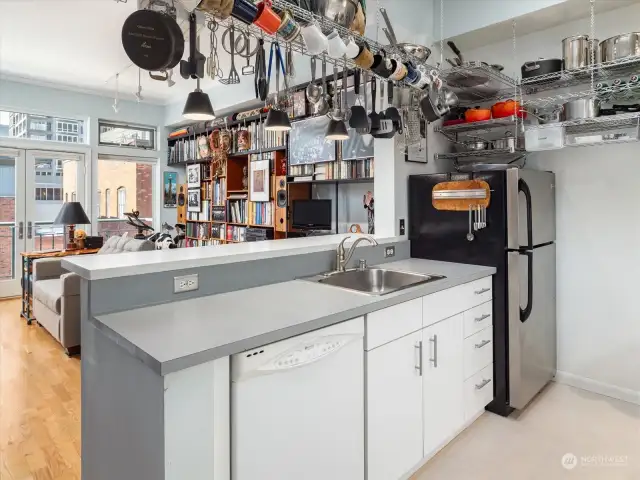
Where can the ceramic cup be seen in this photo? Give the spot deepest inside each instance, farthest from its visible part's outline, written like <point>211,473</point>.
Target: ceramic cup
<point>413,74</point>
<point>244,11</point>
<point>315,40</point>
<point>266,18</point>
<point>352,48</point>
<point>382,66</point>
<point>399,70</point>
<point>289,28</point>
<point>364,58</point>
<point>336,47</point>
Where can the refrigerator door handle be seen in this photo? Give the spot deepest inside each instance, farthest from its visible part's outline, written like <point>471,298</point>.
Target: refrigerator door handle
<point>526,312</point>
<point>524,188</point>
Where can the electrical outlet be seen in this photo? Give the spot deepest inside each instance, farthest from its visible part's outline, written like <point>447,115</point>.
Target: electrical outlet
<point>186,283</point>
<point>389,252</point>
<point>402,226</point>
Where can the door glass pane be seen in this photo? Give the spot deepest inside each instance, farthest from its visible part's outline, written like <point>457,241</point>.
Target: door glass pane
<point>7,217</point>
<point>123,187</point>
<point>53,176</point>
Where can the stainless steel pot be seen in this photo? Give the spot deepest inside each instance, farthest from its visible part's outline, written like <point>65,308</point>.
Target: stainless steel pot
<point>508,142</point>
<point>576,51</point>
<point>341,12</point>
<point>580,109</point>
<point>620,46</point>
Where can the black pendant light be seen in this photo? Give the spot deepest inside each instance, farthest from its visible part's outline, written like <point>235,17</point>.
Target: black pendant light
<point>198,106</point>
<point>337,130</point>
<point>277,121</point>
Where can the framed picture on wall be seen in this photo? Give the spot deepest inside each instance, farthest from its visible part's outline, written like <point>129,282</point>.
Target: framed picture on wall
<point>259,181</point>
<point>193,176</point>
<point>193,200</point>
<point>170,189</point>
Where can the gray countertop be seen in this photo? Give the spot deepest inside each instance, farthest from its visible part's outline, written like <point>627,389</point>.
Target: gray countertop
<point>179,335</point>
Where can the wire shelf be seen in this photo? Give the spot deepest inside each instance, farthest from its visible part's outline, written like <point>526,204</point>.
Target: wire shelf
<point>483,126</point>
<point>477,82</point>
<point>622,92</point>
<point>597,124</point>
<point>490,156</point>
<point>568,78</point>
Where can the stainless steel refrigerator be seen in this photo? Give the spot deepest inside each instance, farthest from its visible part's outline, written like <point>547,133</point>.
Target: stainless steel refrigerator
<point>518,238</point>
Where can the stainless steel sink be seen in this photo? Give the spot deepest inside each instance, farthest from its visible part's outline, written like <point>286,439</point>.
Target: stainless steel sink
<point>374,281</point>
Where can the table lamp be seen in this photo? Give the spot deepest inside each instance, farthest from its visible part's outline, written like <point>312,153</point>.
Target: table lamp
<point>72,214</point>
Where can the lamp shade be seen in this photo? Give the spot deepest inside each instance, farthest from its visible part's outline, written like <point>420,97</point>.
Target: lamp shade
<point>72,213</point>
<point>198,106</point>
<point>337,130</point>
<point>277,121</point>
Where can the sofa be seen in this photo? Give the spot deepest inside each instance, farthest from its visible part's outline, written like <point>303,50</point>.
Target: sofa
<point>56,292</point>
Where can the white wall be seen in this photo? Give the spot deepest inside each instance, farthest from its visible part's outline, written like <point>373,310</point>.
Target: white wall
<point>597,230</point>
<point>31,98</point>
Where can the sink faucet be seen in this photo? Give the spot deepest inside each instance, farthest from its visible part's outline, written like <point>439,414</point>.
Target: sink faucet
<point>342,259</point>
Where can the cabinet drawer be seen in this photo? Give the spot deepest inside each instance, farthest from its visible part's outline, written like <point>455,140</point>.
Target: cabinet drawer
<point>394,322</point>
<point>478,318</point>
<point>450,302</point>
<point>478,392</point>
<point>478,352</point>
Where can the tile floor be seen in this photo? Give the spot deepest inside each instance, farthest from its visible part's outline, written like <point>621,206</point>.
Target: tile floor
<point>561,420</point>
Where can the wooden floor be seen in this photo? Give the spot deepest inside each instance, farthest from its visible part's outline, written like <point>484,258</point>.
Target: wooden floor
<point>39,402</point>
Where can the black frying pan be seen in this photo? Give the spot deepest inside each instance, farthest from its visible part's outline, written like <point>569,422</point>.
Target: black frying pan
<point>152,40</point>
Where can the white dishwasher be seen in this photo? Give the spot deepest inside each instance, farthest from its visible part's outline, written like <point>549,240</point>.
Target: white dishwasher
<point>297,407</point>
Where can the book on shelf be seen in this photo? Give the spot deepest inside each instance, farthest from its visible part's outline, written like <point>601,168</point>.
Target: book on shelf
<point>305,178</point>
<point>237,211</point>
<point>236,233</point>
<point>219,191</point>
<point>260,213</point>
<point>218,231</point>
<point>204,215</point>
<point>204,242</point>
<point>258,234</point>
<point>219,213</point>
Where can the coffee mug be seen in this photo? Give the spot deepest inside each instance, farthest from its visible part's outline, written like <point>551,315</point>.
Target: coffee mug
<point>382,67</point>
<point>289,28</point>
<point>336,47</point>
<point>352,48</point>
<point>314,39</point>
<point>399,70</point>
<point>364,58</point>
<point>244,11</point>
<point>266,18</point>
<point>413,74</point>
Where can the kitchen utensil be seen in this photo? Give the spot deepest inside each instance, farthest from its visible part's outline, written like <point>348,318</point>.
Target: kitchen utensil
<point>386,129</point>
<point>365,129</point>
<point>374,116</point>
<point>233,78</point>
<point>352,49</point>
<point>358,118</point>
<point>314,91</point>
<point>213,64</point>
<point>314,39</point>
<point>413,74</point>
<point>152,40</point>
<point>392,112</point>
<point>342,12</point>
<point>336,114</point>
<point>260,79</point>
<point>576,51</point>
<point>456,50</point>
<point>542,66</point>
<point>322,106</point>
<point>507,109</point>
<point>450,98</point>
<point>627,108</point>
<point>581,108</point>
<point>289,29</point>
<point>470,235</point>
<point>360,20</point>
<point>620,46</point>
<point>420,52</point>
<point>221,9</point>
<point>457,196</point>
<point>382,65</point>
<point>389,32</point>
<point>266,18</point>
<point>547,116</point>
<point>399,70</point>
<point>365,58</point>
<point>344,107</point>
<point>477,114</point>
<point>605,112</point>
<point>245,11</point>
<point>508,142</point>
<point>243,48</point>
<point>336,48</point>
<point>451,62</point>
<point>477,144</point>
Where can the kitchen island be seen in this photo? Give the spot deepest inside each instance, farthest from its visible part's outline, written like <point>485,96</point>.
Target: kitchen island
<point>157,380</point>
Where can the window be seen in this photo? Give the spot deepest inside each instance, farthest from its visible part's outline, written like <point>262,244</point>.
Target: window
<point>107,201</point>
<point>126,135</point>
<point>122,201</point>
<point>67,138</point>
<point>41,127</point>
<point>48,194</point>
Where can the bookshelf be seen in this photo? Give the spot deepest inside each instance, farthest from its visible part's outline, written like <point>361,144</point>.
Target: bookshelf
<point>227,214</point>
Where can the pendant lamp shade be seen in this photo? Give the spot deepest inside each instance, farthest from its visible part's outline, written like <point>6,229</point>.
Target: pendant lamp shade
<point>198,106</point>
<point>337,130</point>
<point>277,121</point>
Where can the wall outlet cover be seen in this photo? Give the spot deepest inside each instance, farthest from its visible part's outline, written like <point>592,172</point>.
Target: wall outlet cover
<point>402,230</point>
<point>389,252</point>
<point>185,283</point>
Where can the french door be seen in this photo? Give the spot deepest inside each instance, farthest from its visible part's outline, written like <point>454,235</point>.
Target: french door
<point>33,186</point>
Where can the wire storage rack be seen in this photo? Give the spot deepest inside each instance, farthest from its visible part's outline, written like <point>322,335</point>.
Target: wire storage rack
<point>591,125</point>
<point>479,127</point>
<point>477,82</point>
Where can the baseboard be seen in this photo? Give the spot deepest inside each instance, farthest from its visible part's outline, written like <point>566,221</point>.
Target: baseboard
<point>433,453</point>
<point>606,389</point>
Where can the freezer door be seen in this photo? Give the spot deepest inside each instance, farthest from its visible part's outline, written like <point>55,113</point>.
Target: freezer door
<point>531,208</point>
<point>532,322</point>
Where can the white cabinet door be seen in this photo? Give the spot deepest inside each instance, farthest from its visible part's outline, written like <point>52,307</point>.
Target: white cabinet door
<point>394,408</point>
<point>443,380</point>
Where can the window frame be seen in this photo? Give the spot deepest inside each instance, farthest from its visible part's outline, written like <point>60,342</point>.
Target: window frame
<point>153,135</point>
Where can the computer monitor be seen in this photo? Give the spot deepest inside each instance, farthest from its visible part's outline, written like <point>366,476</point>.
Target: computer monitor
<point>312,214</point>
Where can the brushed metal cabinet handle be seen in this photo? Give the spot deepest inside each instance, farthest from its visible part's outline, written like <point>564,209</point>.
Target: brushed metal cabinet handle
<point>480,292</point>
<point>483,343</point>
<point>483,317</point>
<point>434,360</point>
<point>29,230</point>
<point>418,347</point>
<point>20,230</point>
<point>484,383</point>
